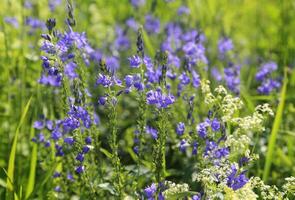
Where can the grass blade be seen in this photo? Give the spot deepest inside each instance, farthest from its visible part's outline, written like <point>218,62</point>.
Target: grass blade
<point>31,182</point>
<point>275,129</point>
<point>10,171</point>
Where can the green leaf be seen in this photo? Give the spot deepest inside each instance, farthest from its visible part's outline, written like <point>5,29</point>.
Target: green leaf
<point>31,182</point>
<point>275,129</point>
<point>105,152</point>
<point>10,171</point>
<point>148,44</point>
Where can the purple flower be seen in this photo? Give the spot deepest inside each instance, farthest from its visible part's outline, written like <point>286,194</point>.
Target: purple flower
<point>184,79</point>
<point>195,148</point>
<point>88,140</point>
<point>85,149</point>
<point>135,61</point>
<point>268,85</point>
<point>53,4</point>
<point>180,128</point>
<point>131,23</point>
<point>56,134</point>
<point>183,10</point>
<point>215,124</point>
<point>232,77</point>
<point>152,131</point>
<point>70,70</point>
<point>215,73</point>
<point>128,81</point>
<point>224,45</point>
<point>104,80</point>
<point>156,97</point>
<point>150,191</point>
<point>69,140</point>
<point>39,125</point>
<point>137,3</point>
<point>266,69</point>
<point>12,21</point>
<point>70,177</point>
<point>196,197</point>
<point>202,129</point>
<point>102,100</point>
<point>196,79</point>
<point>80,169</point>
<point>121,42</point>
<point>80,157</point>
<point>152,25</point>
<point>112,64</point>
<point>182,146</point>
<point>235,180</point>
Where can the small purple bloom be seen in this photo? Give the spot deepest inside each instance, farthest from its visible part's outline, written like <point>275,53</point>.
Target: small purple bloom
<point>225,45</point>
<point>12,21</point>
<point>152,131</point>
<point>88,140</point>
<point>69,140</point>
<point>180,128</point>
<point>184,79</point>
<point>152,25</point>
<point>80,157</point>
<point>39,125</point>
<point>135,61</point>
<point>102,100</point>
<point>150,191</point>
<point>215,125</point>
<point>80,169</point>
<point>85,149</point>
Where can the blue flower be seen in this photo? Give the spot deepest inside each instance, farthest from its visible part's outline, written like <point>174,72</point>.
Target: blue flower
<point>266,69</point>
<point>69,140</point>
<point>156,97</point>
<point>224,45</point>
<point>202,129</point>
<point>235,180</point>
<point>152,131</point>
<point>104,80</point>
<point>150,191</point>
<point>215,124</point>
<point>70,70</point>
<point>180,128</point>
<point>12,21</point>
<point>196,79</point>
<point>184,79</point>
<point>152,25</point>
<point>183,10</point>
<point>80,157</point>
<point>102,100</point>
<point>80,169</point>
<point>135,61</point>
<point>88,140</point>
<point>182,146</point>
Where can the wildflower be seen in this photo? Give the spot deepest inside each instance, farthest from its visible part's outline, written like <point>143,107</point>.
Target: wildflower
<point>152,25</point>
<point>69,140</point>
<point>180,128</point>
<point>131,23</point>
<point>12,21</point>
<point>88,140</point>
<point>195,148</point>
<point>80,157</point>
<point>202,129</point>
<point>159,99</point>
<point>39,125</point>
<point>150,191</point>
<point>196,79</point>
<point>225,45</point>
<point>268,85</point>
<point>152,131</point>
<point>128,81</point>
<point>80,169</point>
<point>70,70</point>
<point>85,149</point>
<point>215,125</point>
<point>266,69</point>
<point>182,146</point>
<point>235,180</point>
<point>135,61</point>
<point>104,80</point>
<point>184,79</point>
<point>137,3</point>
<point>183,10</point>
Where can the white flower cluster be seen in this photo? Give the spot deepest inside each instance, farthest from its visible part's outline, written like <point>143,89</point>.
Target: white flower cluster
<point>174,189</point>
